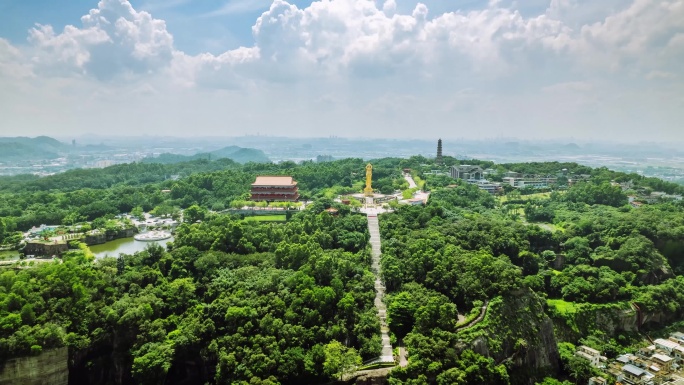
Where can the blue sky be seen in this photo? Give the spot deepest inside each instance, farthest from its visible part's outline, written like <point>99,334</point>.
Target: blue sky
<point>391,68</point>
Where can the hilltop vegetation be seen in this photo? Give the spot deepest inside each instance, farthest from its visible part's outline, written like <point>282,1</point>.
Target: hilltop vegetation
<point>479,290</point>
<point>234,153</point>
<point>20,148</point>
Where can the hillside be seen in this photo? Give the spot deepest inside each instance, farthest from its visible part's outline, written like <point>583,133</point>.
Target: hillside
<point>12,151</point>
<point>235,153</point>
<point>23,148</point>
<point>480,288</point>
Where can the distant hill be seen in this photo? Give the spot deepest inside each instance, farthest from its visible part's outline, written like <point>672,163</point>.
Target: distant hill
<point>235,153</point>
<point>24,148</point>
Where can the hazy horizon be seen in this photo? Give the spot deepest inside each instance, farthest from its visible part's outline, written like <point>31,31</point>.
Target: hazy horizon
<point>96,138</point>
<point>567,70</point>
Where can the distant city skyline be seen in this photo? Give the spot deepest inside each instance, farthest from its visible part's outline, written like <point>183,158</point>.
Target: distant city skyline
<point>532,70</point>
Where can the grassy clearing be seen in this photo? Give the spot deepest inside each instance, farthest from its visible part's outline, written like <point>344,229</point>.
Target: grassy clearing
<point>543,195</point>
<point>266,218</point>
<point>563,307</point>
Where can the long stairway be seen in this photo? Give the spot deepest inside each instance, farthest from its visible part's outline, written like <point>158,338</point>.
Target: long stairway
<point>373,228</point>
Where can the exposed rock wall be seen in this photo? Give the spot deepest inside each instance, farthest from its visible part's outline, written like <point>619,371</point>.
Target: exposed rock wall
<point>609,318</point>
<point>40,248</point>
<point>516,330</point>
<point>48,368</point>
<point>98,239</point>
<point>373,377</point>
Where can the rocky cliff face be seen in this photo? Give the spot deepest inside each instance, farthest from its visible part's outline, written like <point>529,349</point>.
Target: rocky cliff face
<point>50,367</point>
<point>97,239</point>
<point>45,249</point>
<point>517,331</point>
<point>609,318</point>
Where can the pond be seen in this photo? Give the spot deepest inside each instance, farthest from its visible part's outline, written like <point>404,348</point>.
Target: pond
<point>123,245</point>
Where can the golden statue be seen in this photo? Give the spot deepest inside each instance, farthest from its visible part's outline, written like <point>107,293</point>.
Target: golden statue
<point>368,191</point>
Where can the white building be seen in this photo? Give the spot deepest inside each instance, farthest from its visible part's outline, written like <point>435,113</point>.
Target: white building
<point>589,354</point>
<point>666,345</point>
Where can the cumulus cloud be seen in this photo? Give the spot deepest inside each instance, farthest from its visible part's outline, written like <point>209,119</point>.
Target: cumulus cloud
<point>114,40</point>
<point>363,39</point>
<point>638,35</point>
<point>12,62</point>
<point>482,65</point>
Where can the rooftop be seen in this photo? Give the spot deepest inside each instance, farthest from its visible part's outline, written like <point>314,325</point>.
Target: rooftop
<point>666,343</point>
<point>633,370</point>
<point>662,358</point>
<point>274,181</point>
<point>589,350</point>
<point>623,358</point>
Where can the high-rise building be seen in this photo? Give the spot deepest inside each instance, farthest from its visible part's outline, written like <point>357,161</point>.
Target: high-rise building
<point>438,160</point>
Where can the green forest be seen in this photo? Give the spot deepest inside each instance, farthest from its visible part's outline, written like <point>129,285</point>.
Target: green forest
<point>481,288</point>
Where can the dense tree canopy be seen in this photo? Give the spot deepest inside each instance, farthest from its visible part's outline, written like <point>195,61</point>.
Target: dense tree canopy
<point>231,301</point>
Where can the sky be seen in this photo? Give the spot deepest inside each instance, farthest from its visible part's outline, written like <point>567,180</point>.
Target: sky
<point>533,69</point>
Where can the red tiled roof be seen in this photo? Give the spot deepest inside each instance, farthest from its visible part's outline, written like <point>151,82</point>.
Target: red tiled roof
<point>274,181</point>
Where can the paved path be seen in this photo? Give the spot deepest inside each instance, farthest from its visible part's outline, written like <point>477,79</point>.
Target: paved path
<point>422,195</point>
<point>374,229</point>
<point>403,361</point>
<point>410,180</point>
<point>477,320</point>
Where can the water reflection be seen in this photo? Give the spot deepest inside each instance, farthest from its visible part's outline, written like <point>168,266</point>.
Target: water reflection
<point>123,245</point>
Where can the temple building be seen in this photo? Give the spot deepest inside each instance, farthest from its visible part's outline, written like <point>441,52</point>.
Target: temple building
<point>274,189</point>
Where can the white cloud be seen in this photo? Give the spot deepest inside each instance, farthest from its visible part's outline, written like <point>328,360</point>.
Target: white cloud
<point>114,40</point>
<point>12,62</point>
<point>364,62</point>
<point>359,39</point>
<point>636,35</point>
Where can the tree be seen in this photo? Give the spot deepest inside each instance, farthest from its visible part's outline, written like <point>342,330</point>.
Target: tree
<point>2,231</point>
<point>137,212</point>
<point>340,360</point>
<point>120,264</point>
<point>553,381</point>
<point>152,363</point>
<point>401,312</point>
<point>28,316</point>
<point>194,213</point>
<point>72,218</point>
<point>474,369</point>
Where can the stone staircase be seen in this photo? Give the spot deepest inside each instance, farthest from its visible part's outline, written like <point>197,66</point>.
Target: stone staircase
<point>374,230</point>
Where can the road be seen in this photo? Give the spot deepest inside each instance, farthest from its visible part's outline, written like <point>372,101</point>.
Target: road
<point>411,182</point>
